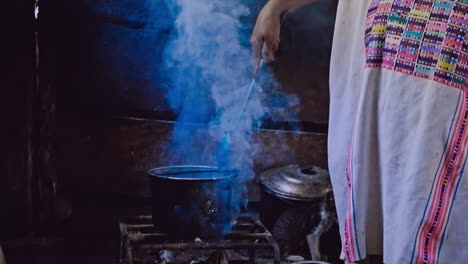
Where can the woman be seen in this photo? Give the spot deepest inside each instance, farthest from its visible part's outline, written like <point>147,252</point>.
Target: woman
<point>398,111</point>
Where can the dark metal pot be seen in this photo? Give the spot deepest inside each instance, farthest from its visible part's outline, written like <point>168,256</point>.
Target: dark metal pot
<point>298,201</point>
<point>292,186</point>
<point>193,201</point>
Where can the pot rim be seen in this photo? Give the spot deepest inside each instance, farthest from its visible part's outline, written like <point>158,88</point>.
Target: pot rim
<point>289,198</point>
<point>205,173</point>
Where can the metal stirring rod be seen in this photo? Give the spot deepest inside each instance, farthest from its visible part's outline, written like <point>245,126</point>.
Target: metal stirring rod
<point>249,94</point>
<point>223,148</point>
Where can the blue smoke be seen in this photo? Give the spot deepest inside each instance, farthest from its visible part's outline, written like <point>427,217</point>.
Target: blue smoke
<point>208,63</point>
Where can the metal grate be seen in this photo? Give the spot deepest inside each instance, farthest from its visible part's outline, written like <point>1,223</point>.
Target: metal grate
<point>142,243</point>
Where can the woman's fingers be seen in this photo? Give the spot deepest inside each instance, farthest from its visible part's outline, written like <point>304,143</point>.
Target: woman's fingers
<point>265,50</point>
<point>265,37</point>
<point>269,50</point>
<point>257,54</point>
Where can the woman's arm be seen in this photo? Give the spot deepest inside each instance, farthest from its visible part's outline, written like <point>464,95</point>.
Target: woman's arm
<point>289,5</point>
<point>265,37</point>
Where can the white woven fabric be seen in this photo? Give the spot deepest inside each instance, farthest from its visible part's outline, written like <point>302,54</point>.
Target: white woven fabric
<point>397,147</point>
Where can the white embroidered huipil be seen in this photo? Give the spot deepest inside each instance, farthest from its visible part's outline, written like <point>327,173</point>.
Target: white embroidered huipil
<point>397,137</point>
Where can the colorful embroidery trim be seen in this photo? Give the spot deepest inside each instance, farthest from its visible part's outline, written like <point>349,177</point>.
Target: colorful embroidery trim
<point>423,38</point>
<point>350,244</point>
<point>432,229</point>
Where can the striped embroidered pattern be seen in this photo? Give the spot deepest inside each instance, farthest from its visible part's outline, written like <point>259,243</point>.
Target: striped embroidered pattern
<point>349,240</point>
<point>423,38</point>
<point>427,39</point>
<point>431,231</point>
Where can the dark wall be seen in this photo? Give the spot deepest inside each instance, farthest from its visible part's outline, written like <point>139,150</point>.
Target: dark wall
<point>109,53</point>
<point>304,58</point>
<point>17,85</point>
<point>107,157</point>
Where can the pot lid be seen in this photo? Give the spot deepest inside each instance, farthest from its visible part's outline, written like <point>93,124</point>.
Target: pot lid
<point>297,182</point>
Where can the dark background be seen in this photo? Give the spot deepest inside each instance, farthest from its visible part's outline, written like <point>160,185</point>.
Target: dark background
<point>83,114</point>
<point>107,55</point>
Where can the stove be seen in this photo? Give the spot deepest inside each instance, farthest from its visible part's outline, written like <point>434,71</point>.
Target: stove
<point>248,242</point>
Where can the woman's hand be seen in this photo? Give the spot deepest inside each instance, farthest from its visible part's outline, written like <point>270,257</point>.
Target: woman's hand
<point>266,35</point>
